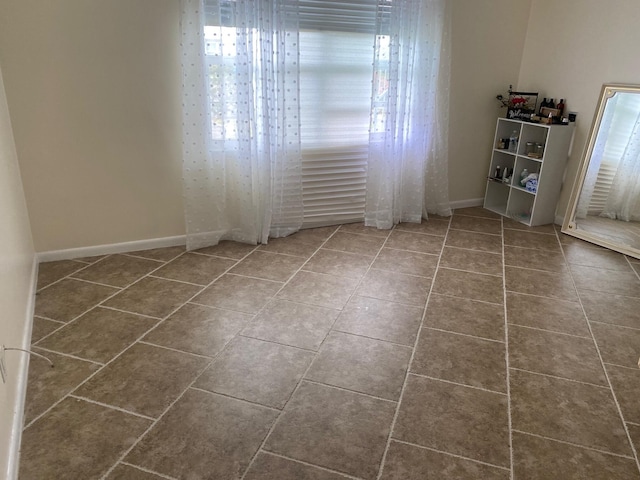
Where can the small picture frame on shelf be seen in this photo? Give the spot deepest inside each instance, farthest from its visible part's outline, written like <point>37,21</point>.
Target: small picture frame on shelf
<point>522,105</point>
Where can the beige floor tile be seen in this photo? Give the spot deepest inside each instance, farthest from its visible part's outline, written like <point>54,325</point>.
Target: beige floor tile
<point>198,329</point>
<point>609,308</point>
<point>319,289</point>
<point>626,386</point>
<point>541,241</point>
<point>535,458</point>
<point>195,268</point>
<point>597,258</point>
<point>380,319</point>
<point>342,264</point>
<point>204,436</point>
<point>534,258</point>
<point>474,241</point>
<point>461,359</point>
<point>155,297</point>
<point>476,224</point>
<point>144,379</point>
<point>403,261</point>
<point>544,284</point>
<point>242,294</point>
<point>618,345</point>
<point>334,429</point>
<point>291,246</point>
<point>257,371</point>
<point>271,467</point>
<point>315,235</point>
<point>451,418</point>
<point>89,260</point>
<point>361,364</point>
<point>547,314</point>
<point>416,242</point>
<point>606,281</point>
<point>555,354</point>
<point>474,286</point>
<point>395,287</point>
<point>461,315</point>
<point>471,260</point>
<point>568,411</point>
<point>77,439</point>
<point>43,327</point>
<point>126,472</point>
<point>354,243</point>
<point>361,229</point>
<point>160,254</point>
<point>50,272</point>
<point>432,226</point>
<point>475,212</point>
<point>117,270</point>
<point>409,462</point>
<point>228,249</point>
<point>269,266</point>
<point>294,324</point>
<point>46,385</point>
<point>509,223</point>
<point>69,298</point>
<point>98,335</point>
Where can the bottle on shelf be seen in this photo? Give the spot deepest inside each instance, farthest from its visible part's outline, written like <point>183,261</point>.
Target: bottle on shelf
<point>543,104</point>
<point>513,141</point>
<point>551,103</point>
<point>524,174</point>
<point>560,107</point>
<point>498,172</point>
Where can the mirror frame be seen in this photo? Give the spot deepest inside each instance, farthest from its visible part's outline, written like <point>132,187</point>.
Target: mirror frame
<point>569,225</point>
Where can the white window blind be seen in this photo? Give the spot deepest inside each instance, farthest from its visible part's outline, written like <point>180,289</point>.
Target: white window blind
<point>626,113</point>
<point>336,70</point>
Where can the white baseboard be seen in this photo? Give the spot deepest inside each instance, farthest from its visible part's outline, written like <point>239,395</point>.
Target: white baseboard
<point>70,253</point>
<point>471,202</point>
<point>13,462</point>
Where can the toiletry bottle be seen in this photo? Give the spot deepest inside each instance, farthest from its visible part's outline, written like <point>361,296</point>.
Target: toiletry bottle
<point>524,174</point>
<point>513,141</point>
<point>560,107</point>
<point>498,171</point>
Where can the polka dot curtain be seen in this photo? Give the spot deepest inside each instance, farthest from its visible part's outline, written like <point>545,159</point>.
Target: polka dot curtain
<point>241,142</point>
<point>407,174</point>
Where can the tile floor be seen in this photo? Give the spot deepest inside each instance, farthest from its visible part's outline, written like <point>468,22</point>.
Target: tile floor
<point>468,347</point>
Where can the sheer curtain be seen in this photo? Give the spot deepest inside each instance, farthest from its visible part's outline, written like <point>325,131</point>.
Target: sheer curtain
<point>623,202</point>
<point>241,128</point>
<point>407,175</point>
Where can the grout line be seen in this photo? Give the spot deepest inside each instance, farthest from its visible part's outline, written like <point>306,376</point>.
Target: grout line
<point>463,334</point>
<point>413,353</point>
<point>199,285</point>
<point>243,400</point>
<point>576,302</point>
<point>451,382</point>
<point>35,344</point>
<point>297,387</point>
<point>589,384</point>
<point>457,269</point>
<point>68,276</point>
<point>132,255</point>
<point>528,327</point>
<point>332,274</point>
<point>475,231</point>
<point>262,279</point>
<point>522,432</point>
<point>343,474</point>
<point>142,341</point>
<point>635,329</point>
<point>344,389</point>
<point>549,331</point>
<point>506,354</point>
<point>633,423</point>
<point>606,374</point>
<point>449,454</point>
<point>193,302</point>
<point>466,298</point>
<point>71,277</point>
<point>355,294</point>
<point>111,407</point>
<point>68,355</point>
<point>142,469</point>
<point>635,369</point>
<point>244,335</point>
<point>403,345</point>
<point>539,270</point>
<point>157,319</point>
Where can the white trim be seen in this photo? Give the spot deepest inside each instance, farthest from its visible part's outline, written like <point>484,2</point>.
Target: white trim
<point>79,252</point>
<point>13,460</point>
<point>470,202</point>
<point>559,220</point>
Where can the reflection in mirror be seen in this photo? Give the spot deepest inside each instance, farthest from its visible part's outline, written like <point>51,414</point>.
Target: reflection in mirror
<point>605,202</point>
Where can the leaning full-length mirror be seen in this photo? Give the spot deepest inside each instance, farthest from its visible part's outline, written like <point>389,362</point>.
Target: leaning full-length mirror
<point>605,202</point>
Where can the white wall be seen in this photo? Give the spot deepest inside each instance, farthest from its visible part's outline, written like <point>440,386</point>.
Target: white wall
<point>487,41</point>
<point>573,47</point>
<point>94,91</point>
<point>16,269</point>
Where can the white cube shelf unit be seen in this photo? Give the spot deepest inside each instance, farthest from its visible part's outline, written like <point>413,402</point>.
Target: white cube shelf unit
<point>510,198</point>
